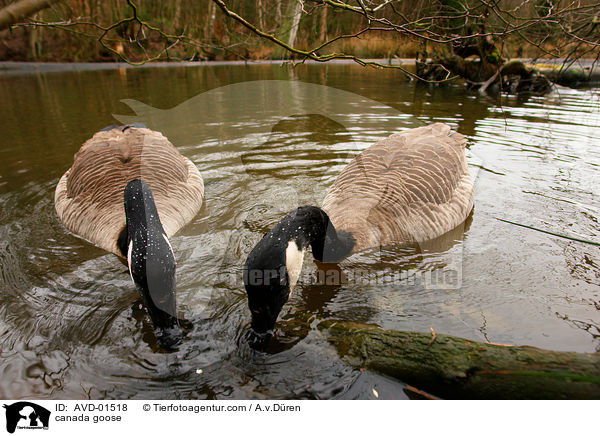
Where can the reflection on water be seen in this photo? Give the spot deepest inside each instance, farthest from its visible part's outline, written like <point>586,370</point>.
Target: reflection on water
<point>70,323</point>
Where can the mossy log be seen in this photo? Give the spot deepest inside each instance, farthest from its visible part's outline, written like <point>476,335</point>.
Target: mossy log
<point>456,368</point>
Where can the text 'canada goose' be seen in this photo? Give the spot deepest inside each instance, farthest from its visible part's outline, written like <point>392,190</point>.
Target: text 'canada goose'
<point>408,188</point>
<point>127,192</point>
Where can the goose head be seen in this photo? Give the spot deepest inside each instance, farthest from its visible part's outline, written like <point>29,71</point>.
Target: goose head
<point>151,260</point>
<point>273,266</point>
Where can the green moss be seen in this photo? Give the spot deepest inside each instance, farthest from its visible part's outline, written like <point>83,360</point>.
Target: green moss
<point>453,367</point>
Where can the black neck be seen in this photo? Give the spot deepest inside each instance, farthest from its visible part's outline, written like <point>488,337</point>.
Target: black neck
<point>150,258</point>
<point>309,225</point>
<point>328,244</point>
<point>140,208</point>
<point>266,276</point>
<point>141,216</point>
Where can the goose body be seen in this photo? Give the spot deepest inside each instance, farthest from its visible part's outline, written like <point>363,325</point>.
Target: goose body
<point>89,196</point>
<point>127,192</point>
<point>410,187</point>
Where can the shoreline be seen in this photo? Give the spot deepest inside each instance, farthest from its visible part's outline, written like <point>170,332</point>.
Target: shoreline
<point>82,66</point>
<point>582,71</point>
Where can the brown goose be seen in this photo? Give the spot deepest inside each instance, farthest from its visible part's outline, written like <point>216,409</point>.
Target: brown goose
<point>410,187</point>
<point>127,192</point>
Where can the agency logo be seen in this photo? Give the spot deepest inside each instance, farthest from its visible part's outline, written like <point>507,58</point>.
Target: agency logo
<point>26,415</point>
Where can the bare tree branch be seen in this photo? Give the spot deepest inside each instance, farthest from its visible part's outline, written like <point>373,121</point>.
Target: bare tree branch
<point>312,54</point>
<point>14,12</point>
<point>442,33</point>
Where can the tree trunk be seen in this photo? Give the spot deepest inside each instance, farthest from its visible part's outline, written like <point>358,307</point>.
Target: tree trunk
<point>177,16</point>
<point>289,29</point>
<point>456,368</point>
<point>323,27</point>
<point>278,12</point>
<point>261,19</point>
<point>35,49</point>
<point>21,9</point>
<point>296,13</point>
<point>210,21</point>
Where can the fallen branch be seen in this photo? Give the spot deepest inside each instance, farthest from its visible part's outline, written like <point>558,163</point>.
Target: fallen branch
<point>456,368</point>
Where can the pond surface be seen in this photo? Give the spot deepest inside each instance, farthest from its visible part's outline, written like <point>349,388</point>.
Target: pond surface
<point>70,318</point>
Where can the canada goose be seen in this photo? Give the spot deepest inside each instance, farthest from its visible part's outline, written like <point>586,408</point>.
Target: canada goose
<point>410,187</point>
<point>127,192</point>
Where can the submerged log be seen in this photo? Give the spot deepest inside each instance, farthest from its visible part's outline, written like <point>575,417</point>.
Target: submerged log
<point>456,368</point>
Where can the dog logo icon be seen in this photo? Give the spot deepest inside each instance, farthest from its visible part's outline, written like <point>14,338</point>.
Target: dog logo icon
<point>26,415</point>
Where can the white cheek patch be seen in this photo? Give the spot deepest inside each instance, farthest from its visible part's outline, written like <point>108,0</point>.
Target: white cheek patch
<point>129,250</point>
<point>169,244</point>
<point>293,262</point>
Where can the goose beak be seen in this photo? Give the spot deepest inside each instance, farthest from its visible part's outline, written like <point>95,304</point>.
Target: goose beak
<point>262,327</point>
<point>267,292</point>
<point>259,341</point>
<point>263,322</point>
<point>265,303</point>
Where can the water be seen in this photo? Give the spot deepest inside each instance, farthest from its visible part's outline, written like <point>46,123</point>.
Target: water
<point>70,320</point>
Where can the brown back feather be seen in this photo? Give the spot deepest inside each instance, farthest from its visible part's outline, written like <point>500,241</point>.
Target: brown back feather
<point>89,197</point>
<point>410,187</point>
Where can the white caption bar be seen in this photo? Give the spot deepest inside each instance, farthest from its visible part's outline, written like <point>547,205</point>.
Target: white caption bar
<point>159,417</point>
